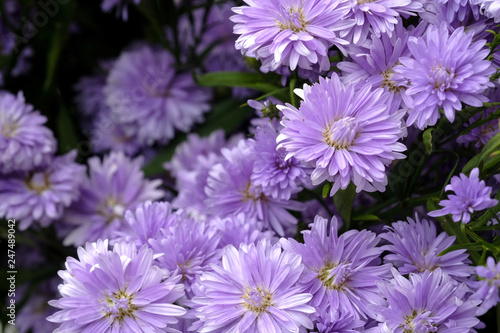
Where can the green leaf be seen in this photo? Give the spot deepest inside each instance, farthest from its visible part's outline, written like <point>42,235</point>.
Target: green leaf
<point>236,79</point>
<point>427,137</point>
<point>466,246</point>
<point>66,131</point>
<point>343,201</point>
<point>366,217</point>
<point>326,189</point>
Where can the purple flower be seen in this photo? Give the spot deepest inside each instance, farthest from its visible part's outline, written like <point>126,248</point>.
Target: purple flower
<point>144,91</point>
<point>121,7</point>
<point>374,63</point>
<point>378,16</point>
<point>487,286</point>
<point>490,8</point>
<point>428,302</point>
<point>480,135</point>
<point>415,248</point>
<point>198,249</point>
<point>189,248</point>
<point>41,195</point>
<point>345,132</point>
<point>89,89</point>
<point>109,135</point>
<point>445,70</point>
<point>32,315</point>
<point>190,165</point>
<point>336,322</point>
<point>188,153</point>
<point>115,185</point>
<point>254,290</point>
<point>144,223</point>
<point>121,292</point>
<point>24,142</point>
<point>237,229</point>
<point>471,195</point>
<point>230,190</point>
<point>290,32</point>
<point>459,8</point>
<point>278,177</point>
<point>341,271</point>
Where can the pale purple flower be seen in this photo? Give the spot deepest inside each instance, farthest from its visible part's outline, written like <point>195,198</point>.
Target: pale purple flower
<point>278,177</point>
<point>378,16</point>
<point>445,70</point>
<point>459,9</point>
<point>189,248</point>
<point>25,143</point>
<point>121,292</point>
<point>471,195</point>
<point>186,154</point>
<point>190,165</point>
<point>490,8</point>
<point>90,97</point>
<point>345,132</point>
<point>428,302</point>
<point>374,63</point>
<point>145,222</point>
<point>230,190</point>
<point>480,135</point>
<point>115,185</point>
<point>292,33</point>
<point>341,271</point>
<point>41,195</point>
<point>109,135</point>
<point>487,286</point>
<point>254,290</point>
<point>120,5</point>
<point>144,91</point>
<point>32,315</point>
<point>336,322</point>
<point>415,247</point>
<point>237,229</point>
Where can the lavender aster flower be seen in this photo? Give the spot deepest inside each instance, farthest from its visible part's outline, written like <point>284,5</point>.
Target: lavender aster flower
<point>345,132</point>
<point>115,185</point>
<point>191,256</point>
<point>341,271</point>
<point>230,190</point>
<point>143,89</point>
<point>379,16</point>
<point>33,314</point>
<point>428,302</point>
<point>41,195</point>
<point>121,7</point>
<point>471,195</point>
<point>487,286</point>
<point>24,142</point>
<point>459,8</point>
<point>145,222</point>
<point>290,32</point>
<point>445,70</point>
<point>278,177</point>
<point>186,154</point>
<point>254,290</point>
<point>336,322</point>
<point>480,135</point>
<point>237,229</point>
<point>490,8</point>
<point>415,248</point>
<point>374,63</point>
<point>122,292</point>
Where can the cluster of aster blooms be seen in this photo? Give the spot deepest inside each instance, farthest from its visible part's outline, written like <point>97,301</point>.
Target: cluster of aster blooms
<point>224,240</point>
